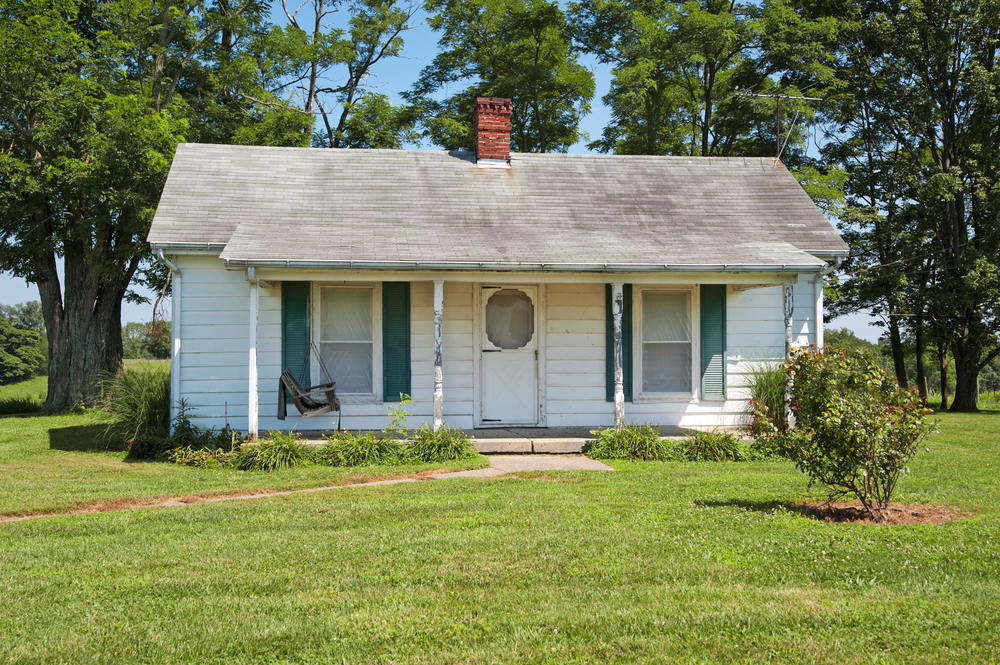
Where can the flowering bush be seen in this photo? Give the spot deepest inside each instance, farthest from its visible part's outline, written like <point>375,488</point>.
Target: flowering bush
<point>855,428</point>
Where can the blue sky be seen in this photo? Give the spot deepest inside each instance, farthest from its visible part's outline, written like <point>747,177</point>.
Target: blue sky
<point>394,77</point>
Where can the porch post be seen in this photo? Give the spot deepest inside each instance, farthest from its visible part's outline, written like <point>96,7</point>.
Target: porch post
<point>438,376</point>
<point>175,350</point>
<point>788,299</point>
<point>618,306</point>
<point>252,394</point>
<point>818,292</point>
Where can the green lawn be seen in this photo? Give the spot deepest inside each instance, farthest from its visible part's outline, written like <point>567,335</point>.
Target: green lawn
<point>35,388</point>
<point>688,562</point>
<point>56,464</point>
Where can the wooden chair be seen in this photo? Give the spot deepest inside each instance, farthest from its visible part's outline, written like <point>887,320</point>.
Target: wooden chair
<point>307,401</point>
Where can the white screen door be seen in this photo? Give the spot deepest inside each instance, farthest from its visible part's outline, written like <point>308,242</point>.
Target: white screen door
<point>509,356</point>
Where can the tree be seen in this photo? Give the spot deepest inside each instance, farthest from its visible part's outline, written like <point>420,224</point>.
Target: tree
<point>687,75</point>
<point>22,353</point>
<point>923,86</point>
<point>333,69</point>
<point>516,49</point>
<point>96,96</point>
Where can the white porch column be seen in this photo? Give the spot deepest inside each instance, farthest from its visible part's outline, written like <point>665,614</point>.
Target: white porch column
<point>252,393</point>
<point>175,342</point>
<point>788,298</point>
<point>438,376</point>
<point>618,306</point>
<point>818,292</point>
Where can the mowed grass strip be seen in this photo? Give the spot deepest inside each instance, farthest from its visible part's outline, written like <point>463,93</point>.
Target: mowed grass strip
<point>57,464</point>
<point>688,562</point>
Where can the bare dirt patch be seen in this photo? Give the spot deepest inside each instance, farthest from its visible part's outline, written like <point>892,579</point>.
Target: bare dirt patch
<point>897,514</point>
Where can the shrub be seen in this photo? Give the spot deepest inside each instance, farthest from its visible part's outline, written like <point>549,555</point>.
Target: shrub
<point>630,441</point>
<point>278,451</point>
<point>713,446</point>
<point>18,405</point>
<point>768,386</point>
<point>362,449</point>
<point>139,404</point>
<point>443,445</point>
<point>855,428</point>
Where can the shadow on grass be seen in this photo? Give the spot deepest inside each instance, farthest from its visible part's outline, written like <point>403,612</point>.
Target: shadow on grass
<point>768,507</point>
<point>80,438</point>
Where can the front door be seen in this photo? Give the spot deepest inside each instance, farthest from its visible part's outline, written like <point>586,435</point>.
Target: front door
<point>509,356</point>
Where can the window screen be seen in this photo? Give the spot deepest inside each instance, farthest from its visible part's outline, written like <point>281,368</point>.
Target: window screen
<point>346,338</point>
<point>666,342</point>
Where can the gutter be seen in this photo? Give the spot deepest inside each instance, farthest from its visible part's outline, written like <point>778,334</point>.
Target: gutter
<point>514,267</point>
<point>181,247</point>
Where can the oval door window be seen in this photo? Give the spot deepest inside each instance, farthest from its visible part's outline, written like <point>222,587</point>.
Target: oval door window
<point>510,319</point>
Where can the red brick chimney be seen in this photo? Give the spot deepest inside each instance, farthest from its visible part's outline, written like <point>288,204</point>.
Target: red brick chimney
<point>491,126</point>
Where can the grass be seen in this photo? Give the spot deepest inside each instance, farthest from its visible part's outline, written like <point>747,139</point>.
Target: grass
<point>657,561</point>
<point>57,464</point>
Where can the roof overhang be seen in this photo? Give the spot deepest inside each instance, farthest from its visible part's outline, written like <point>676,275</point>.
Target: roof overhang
<point>188,247</point>
<point>397,266</point>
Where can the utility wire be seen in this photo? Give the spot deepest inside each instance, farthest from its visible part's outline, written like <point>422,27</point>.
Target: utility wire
<point>919,256</point>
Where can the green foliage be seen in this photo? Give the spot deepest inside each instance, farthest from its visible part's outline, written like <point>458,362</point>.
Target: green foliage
<point>22,352</point>
<point>517,49</point>
<point>138,402</point>
<point>361,449</point>
<point>278,451</point>
<point>19,404</point>
<point>202,458</point>
<point>630,441</point>
<point>149,340</point>
<point>443,445</point>
<point>716,446</point>
<point>680,69</point>
<point>767,384</point>
<point>855,429</point>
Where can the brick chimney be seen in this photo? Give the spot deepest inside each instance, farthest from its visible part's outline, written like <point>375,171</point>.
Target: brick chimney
<point>491,126</point>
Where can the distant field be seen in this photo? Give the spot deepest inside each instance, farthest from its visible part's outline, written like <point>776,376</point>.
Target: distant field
<point>34,388</point>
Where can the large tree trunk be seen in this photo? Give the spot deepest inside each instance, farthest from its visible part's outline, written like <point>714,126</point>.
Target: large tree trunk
<point>943,367</point>
<point>966,377</point>
<point>896,343</point>
<point>84,329</point>
<point>921,376</point>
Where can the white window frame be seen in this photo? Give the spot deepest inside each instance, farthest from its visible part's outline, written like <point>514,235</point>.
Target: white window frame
<point>694,312</point>
<point>376,311</point>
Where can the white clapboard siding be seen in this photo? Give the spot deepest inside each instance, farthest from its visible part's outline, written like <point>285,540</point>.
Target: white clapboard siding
<point>214,364</point>
<point>214,370</point>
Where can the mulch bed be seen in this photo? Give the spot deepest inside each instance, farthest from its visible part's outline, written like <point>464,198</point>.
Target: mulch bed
<point>898,514</point>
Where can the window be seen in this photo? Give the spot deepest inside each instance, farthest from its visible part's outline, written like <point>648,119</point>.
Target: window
<point>666,342</point>
<point>346,342</point>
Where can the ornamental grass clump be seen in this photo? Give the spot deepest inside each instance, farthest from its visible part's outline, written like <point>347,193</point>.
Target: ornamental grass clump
<point>280,450</point>
<point>630,441</point>
<point>715,446</point>
<point>361,449</point>
<point>139,405</point>
<point>443,445</point>
<point>855,428</point>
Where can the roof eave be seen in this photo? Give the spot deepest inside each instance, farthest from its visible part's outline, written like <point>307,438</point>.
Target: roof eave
<point>484,266</point>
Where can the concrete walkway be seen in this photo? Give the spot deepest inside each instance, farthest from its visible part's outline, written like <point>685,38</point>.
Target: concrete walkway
<point>499,465</point>
<point>502,464</point>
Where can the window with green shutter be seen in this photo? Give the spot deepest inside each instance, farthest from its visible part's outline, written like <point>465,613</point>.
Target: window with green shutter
<point>295,331</point>
<point>713,341</point>
<point>626,341</point>
<point>395,340</point>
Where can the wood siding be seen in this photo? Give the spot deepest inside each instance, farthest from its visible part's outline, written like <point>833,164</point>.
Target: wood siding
<point>214,332</point>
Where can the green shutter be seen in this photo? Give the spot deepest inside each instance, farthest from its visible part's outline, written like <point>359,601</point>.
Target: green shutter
<point>713,341</point>
<point>295,331</point>
<point>626,342</point>
<point>395,340</point>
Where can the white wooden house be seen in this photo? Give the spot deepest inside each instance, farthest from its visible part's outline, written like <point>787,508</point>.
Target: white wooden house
<point>494,288</point>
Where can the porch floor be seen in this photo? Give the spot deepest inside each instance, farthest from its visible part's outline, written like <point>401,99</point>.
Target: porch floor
<point>525,440</point>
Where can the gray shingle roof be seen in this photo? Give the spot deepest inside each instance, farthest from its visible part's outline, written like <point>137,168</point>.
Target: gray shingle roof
<point>314,205</point>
